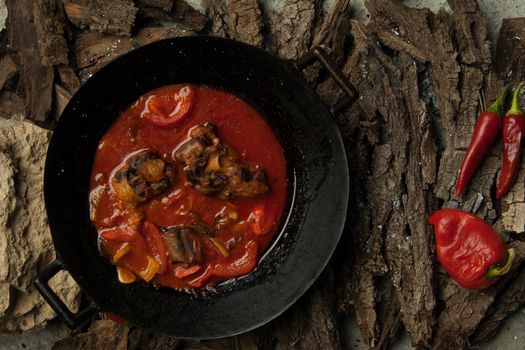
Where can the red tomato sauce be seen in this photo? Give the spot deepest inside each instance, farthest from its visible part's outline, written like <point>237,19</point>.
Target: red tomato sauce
<point>240,127</point>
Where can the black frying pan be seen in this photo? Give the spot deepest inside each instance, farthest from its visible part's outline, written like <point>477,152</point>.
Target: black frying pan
<point>318,182</point>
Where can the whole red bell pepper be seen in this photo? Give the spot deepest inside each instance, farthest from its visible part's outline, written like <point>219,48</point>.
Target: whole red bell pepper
<point>469,249</point>
<point>486,131</point>
<point>513,135</point>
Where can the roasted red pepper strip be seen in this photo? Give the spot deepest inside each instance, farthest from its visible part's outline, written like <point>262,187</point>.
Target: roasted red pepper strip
<point>202,279</point>
<point>182,271</point>
<point>167,111</point>
<point>486,131</point>
<point>156,245</point>
<point>119,234</point>
<point>469,249</point>
<point>513,134</point>
<point>241,266</point>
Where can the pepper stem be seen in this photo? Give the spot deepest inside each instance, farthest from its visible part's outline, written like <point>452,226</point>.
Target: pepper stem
<point>498,270</point>
<point>515,108</point>
<point>496,105</point>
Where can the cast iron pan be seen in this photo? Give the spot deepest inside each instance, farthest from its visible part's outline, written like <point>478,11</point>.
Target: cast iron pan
<point>318,183</point>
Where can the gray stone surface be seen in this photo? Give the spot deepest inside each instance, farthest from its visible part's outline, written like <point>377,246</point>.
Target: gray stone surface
<point>3,14</point>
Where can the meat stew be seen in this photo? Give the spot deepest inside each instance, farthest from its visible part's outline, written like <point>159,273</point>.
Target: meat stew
<point>188,188</point>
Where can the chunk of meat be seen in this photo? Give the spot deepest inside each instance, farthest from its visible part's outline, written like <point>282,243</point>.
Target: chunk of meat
<point>183,243</point>
<point>142,176</point>
<point>215,169</point>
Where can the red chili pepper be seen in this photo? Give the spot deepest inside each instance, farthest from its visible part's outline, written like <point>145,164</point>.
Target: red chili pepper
<point>469,249</point>
<point>486,131</point>
<point>156,245</point>
<point>166,111</point>
<point>513,134</point>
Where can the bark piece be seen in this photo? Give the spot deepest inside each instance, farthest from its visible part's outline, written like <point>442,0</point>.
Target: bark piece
<point>181,13</point>
<point>151,34</point>
<point>49,24</point>
<point>139,339</point>
<point>455,92</point>
<point>470,30</point>
<point>312,325</point>
<point>460,114</point>
<point>68,78</point>
<point>108,335</point>
<point>187,15</point>
<point>290,31</point>
<point>509,64</point>
<point>360,252</point>
<point>512,298</point>
<point>216,12</point>
<point>152,13</point>
<point>362,238</point>
<point>164,5</point>
<point>10,104</point>
<point>25,240</point>
<point>400,194</point>
<point>365,241</point>
<point>237,19</point>
<point>335,30</point>
<point>7,69</point>
<point>93,50</point>
<point>409,243</point>
<point>245,21</point>
<point>391,324</point>
<point>333,34</point>
<point>402,28</point>
<point>465,308</point>
<point>62,97</point>
<point>416,295</point>
<point>513,205</point>
<point>4,43</point>
<point>101,335</point>
<point>113,17</point>
<point>392,104</point>
<point>256,339</point>
<point>37,80</point>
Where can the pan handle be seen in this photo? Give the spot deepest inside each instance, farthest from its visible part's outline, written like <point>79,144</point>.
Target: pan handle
<point>317,53</point>
<point>71,320</point>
